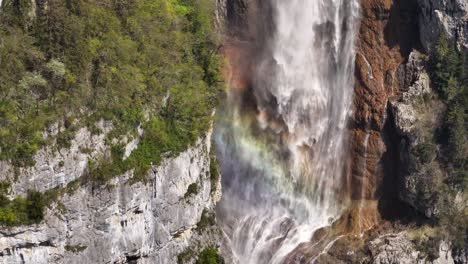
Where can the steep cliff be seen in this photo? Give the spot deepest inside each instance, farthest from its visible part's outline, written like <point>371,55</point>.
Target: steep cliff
<point>399,154</point>
<point>385,38</point>
<point>151,222</point>
<point>106,110</point>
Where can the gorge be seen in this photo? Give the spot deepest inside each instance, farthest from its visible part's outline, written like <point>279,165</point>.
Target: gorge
<point>233,131</point>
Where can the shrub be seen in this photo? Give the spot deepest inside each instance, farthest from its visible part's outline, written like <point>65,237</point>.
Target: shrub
<point>207,219</point>
<point>209,255</point>
<point>4,187</point>
<point>214,173</point>
<point>56,69</point>
<point>35,206</point>
<point>191,190</point>
<point>426,151</point>
<point>185,256</point>
<point>75,248</point>
<point>21,210</point>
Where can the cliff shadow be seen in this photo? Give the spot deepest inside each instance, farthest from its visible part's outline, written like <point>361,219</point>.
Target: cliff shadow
<point>390,206</point>
<point>402,28</point>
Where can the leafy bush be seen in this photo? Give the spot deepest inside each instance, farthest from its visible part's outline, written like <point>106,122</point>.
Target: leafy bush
<point>214,172</point>
<point>185,256</point>
<point>209,255</point>
<point>22,210</point>
<point>207,220</point>
<point>191,190</point>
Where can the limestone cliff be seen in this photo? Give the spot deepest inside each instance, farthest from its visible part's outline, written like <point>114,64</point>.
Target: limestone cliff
<point>147,222</point>
<point>70,115</point>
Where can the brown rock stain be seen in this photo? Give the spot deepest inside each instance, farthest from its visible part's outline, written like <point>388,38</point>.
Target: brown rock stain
<point>388,32</point>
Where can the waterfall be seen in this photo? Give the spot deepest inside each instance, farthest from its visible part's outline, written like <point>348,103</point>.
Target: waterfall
<point>282,142</point>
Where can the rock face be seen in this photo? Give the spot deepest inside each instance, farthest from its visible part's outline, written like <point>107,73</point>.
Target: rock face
<point>386,37</point>
<point>398,248</point>
<point>448,17</point>
<point>389,246</point>
<point>416,115</point>
<point>394,112</point>
<point>57,167</point>
<point>150,222</point>
<point>390,112</point>
<point>415,84</point>
<point>233,15</point>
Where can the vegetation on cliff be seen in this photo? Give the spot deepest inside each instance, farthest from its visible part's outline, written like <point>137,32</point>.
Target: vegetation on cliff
<point>209,256</point>
<point>137,63</point>
<point>449,75</point>
<point>445,156</point>
<point>21,210</point>
<point>75,62</point>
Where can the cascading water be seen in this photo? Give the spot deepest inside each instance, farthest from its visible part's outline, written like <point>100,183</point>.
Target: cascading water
<point>282,143</point>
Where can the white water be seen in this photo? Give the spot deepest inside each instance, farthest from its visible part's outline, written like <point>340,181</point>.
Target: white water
<point>284,169</point>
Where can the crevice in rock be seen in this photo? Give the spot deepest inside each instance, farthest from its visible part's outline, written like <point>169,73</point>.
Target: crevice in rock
<point>8,234</point>
<point>132,259</point>
<point>27,245</point>
<point>46,243</point>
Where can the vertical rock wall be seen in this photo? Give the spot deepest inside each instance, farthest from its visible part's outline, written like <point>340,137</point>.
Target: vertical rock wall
<point>150,222</point>
<point>386,36</point>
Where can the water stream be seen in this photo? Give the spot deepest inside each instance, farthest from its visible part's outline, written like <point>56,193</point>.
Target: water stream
<point>282,145</point>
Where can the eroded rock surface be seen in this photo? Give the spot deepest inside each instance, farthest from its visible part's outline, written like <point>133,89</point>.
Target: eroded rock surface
<point>56,166</point>
<point>150,222</point>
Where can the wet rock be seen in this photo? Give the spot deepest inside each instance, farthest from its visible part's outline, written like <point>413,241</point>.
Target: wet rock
<point>380,48</point>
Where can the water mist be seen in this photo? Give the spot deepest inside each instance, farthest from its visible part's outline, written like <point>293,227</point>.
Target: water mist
<point>282,141</point>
